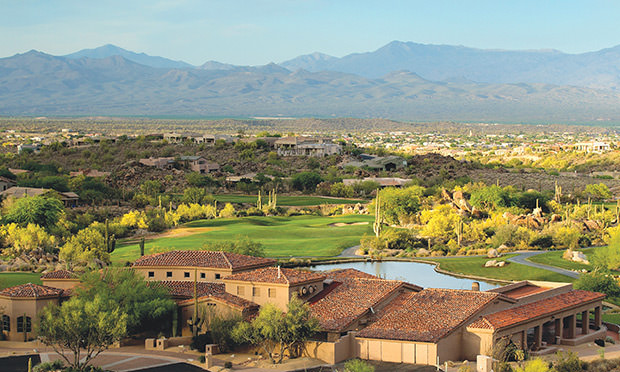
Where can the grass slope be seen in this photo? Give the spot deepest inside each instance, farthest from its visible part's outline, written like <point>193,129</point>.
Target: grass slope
<point>281,236</point>
<point>554,258</point>
<point>512,271</point>
<point>10,279</point>
<point>288,201</point>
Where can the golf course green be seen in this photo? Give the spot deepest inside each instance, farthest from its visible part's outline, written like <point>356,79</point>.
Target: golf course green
<point>297,236</point>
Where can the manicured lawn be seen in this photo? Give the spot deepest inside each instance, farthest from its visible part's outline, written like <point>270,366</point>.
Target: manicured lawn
<point>287,201</point>
<point>611,318</point>
<point>512,271</point>
<point>281,236</point>
<point>9,279</point>
<point>554,258</point>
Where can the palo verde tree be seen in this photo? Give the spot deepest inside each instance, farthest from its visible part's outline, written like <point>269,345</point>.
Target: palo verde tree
<point>148,306</point>
<point>80,329</point>
<point>40,210</point>
<point>275,332</point>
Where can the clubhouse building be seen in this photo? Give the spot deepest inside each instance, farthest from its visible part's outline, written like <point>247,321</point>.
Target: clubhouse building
<point>360,314</point>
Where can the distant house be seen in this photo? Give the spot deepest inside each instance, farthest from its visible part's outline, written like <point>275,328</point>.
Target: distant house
<point>384,163</point>
<point>200,164</point>
<point>174,137</point>
<point>210,139</point>
<point>33,147</point>
<point>592,147</point>
<point>161,163</point>
<point>306,146</point>
<point>69,199</point>
<point>6,183</point>
<point>17,171</point>
<point>382,181</point>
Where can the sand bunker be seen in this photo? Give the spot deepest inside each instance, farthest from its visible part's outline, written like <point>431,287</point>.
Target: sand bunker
<point>341,224</point>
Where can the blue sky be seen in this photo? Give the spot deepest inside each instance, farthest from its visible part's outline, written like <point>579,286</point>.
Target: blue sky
<point>253,32</point>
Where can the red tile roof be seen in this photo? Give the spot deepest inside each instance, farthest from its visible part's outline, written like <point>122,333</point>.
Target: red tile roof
<point>339,274</point>
<point>30,290</point>
<point>427,316</point>
<point>541,308</point>
<point>185,289</point>
<point>59,274</point>
<point>212,259</point>
<point>227,298</point>
<point>346,300</point>
<point>526,290</point>
<point>277,275</point>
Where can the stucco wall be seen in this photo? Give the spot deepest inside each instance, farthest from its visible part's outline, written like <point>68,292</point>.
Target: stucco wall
<point>332,352</point>
<point>16,307</point>
<point>178,273</point>
<point>215,307</point>
<point>61,283</point>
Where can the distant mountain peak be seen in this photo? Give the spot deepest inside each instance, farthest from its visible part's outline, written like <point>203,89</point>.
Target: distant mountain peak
<point>109,50</point>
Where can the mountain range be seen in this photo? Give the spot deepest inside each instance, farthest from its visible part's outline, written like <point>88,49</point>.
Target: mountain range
<point>405,81</point>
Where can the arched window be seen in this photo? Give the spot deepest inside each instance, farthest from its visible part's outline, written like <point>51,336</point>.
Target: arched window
<point>6,323</point>
<point>21,324</point>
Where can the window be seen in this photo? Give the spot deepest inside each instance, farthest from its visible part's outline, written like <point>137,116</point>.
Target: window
<point>217,276</point>
<point>240,290</point>
<point>6,323</point>
<point>272,292</point>
<point>203,275</point>
<point>256,291</point>
<point>168,274</point>
<point>186,274</point>
<point>21,324</point>
<point>151,274</point>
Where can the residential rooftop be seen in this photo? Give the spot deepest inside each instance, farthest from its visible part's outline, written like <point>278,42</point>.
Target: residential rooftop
<point>427,316</point>
<point>30,290</point>
<point>206,259</point>
<point>277,275</point>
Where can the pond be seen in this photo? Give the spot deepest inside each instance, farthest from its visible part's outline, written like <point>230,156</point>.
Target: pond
<point>417,273</point>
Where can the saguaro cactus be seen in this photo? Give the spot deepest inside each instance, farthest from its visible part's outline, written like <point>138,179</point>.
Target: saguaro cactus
<point>377,225</point>
<point>141,247</point>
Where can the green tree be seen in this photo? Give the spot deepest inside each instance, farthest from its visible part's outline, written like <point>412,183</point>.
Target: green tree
<point>148,306</point>
<point>490,197</point>
<point>196,195</point>
<point>608,257</point>
<point>40,210</point>
<point>276,332</point>
<point>598,281</point>
<point>306,181</point>
<point>598,191</point>
<point>399,204</point>
<point>243,245</point>
<point>83,328</point>
<point>84,247</point>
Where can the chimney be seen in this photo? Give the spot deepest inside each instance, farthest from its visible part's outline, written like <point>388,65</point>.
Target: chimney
<point>475,286</point>
<point>279,272</point>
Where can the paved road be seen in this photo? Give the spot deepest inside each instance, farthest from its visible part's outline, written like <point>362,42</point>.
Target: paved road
<point>522,259</point>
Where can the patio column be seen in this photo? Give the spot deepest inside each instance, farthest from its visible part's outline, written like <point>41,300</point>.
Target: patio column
<point>597,317</point>
<point>585,322</point>
<point>537,337</point>
<point>524,339</point>
<point>572,325</point>
<point>559,326</point>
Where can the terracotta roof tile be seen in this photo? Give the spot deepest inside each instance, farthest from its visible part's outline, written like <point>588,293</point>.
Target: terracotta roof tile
<point>427,316</point>
<point>277,275</point>
<point>59,274</point>
<point>347,299</point>
<point>339,274</point>
<point>30,290</point>
<point>226,298</point>
<point>185,289</point>
<point>214,259</point>
<point>524,291</point>
<point>544,307</point>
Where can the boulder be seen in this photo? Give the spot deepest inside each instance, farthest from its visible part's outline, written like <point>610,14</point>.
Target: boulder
<point>580,257</point>
<point>490,263</point>
<point>501,264</point>
<point>422,252</point>
<point>492,253</point>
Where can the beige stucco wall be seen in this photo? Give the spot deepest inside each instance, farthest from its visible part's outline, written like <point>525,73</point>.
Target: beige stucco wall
<point>16,307</point>
<point>396,351</point>
<point>332,352</point>
<point>61,283</point>
<point>282,292</point>
<point>178,273</point>
<point>216,307</point>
